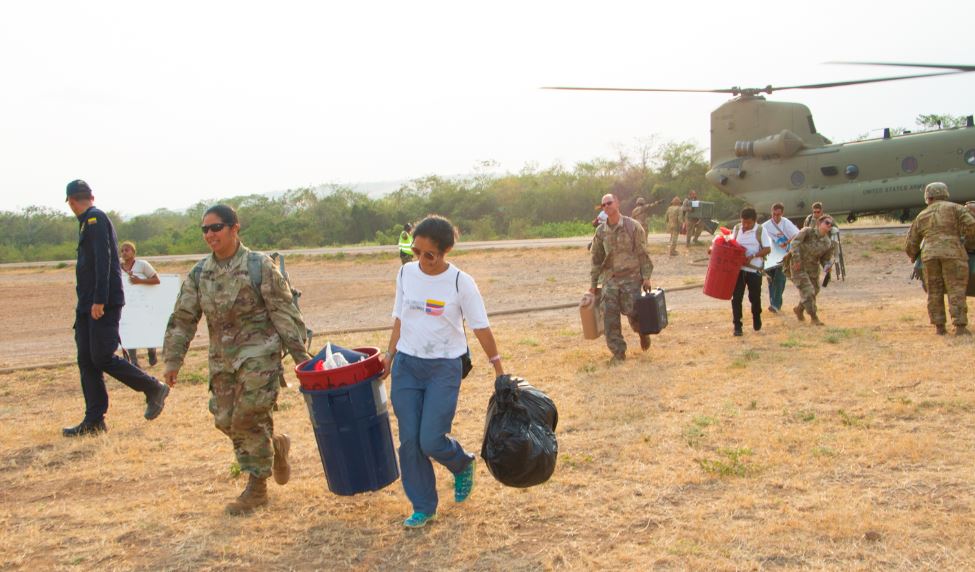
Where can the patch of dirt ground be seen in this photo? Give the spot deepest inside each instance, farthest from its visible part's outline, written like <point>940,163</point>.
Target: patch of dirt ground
<point>846,447</point>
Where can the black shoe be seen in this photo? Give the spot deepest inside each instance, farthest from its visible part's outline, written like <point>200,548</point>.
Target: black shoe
<point>155,401</point>
<point>757,324</point>
<point>85,428</point>
<point>644,342</point>
<point>152,357</point>
<point>738,333</point>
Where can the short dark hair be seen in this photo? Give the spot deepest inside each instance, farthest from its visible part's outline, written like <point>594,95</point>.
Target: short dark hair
<point>817,205</point>
<point>226,213</point>
<point>439,230</point>
<point>748,213</point>
<point>407,227</point>
<point>778,207</point>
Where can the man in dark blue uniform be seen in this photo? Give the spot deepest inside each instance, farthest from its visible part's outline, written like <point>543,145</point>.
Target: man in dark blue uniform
<point>97,314</point>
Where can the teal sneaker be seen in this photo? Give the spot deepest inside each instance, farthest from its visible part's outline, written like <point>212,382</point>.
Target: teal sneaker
<point>464,483</point>
<point>419,520</point>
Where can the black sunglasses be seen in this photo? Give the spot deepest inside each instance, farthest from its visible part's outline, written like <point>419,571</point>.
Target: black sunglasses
<point>215,227</point>
<point>425,253</point>
<point>827,222</point>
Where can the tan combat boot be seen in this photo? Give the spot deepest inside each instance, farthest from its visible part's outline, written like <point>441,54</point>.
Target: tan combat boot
<point>799,312</point>
<point>940,329</point>
<point>815,319</point>
<point>253,497</point>
<point>281,468</point>
<point>962,331</point>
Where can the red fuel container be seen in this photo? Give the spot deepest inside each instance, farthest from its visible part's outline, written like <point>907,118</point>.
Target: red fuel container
<point>341,376</point>
<point>723,268</point>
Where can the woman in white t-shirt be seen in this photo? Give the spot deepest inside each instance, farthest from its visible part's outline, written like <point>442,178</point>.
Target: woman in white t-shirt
<point>139,272</point>
<point>426,353</point>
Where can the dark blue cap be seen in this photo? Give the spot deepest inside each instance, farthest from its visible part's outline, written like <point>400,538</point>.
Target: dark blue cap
<point>77,186</point>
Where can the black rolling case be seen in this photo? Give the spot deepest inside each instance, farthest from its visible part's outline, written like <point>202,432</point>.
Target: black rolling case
<point>651,309</point>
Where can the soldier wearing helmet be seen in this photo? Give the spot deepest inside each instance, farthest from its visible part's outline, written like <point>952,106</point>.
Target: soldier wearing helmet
<point>673,223</point>
<point>641,212</point>
<point>943,228</point>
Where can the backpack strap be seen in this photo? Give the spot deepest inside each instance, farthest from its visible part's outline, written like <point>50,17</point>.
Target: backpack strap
<point>254,271</point>
<point>196,271</point>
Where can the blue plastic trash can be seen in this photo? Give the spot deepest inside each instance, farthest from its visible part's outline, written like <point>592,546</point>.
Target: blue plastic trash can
<point>355,442</point>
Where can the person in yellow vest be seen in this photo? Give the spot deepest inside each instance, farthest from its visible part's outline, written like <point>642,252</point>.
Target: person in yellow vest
<point>406,244</point>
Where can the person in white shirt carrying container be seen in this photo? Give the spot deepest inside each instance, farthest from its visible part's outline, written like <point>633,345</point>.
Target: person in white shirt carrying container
<point>780,231</point>
<point>427,357</point>
<point>757,245</point>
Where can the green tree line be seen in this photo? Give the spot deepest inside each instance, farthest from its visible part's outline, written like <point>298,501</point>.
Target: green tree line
<point>534,203</point>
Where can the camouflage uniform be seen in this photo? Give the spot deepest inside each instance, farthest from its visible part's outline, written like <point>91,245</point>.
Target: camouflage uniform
<point>673,225</point>
<point>247,335</point>
<point>809,251</point>
<point>641,213</point>
<point>944,258</point>
<point>693,223</point>
<point>620,258</point>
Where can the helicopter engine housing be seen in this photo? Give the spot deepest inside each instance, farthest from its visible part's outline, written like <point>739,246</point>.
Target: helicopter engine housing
<point>783,144</point>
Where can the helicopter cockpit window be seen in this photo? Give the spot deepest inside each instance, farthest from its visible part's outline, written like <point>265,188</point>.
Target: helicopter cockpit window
<point>852,171</point>
<point>970,157</point>
<point>812,126</point>
<point>909,164</point>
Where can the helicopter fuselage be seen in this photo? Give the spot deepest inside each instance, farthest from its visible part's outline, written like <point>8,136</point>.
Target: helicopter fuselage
<point>871,176</point>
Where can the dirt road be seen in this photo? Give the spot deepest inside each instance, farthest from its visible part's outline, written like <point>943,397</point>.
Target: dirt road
<point>358,291</point>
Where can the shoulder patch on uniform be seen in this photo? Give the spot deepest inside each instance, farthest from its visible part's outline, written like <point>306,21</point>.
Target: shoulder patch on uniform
<point>93,220</point>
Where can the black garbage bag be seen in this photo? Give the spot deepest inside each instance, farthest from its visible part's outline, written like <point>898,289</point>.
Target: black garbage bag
<point>519,446</point>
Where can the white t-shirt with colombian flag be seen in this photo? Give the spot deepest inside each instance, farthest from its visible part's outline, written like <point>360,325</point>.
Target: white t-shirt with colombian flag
<point>431,310</point>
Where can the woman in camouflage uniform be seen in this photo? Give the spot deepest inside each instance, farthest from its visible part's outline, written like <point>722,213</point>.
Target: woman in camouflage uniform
<point>809,250</point>
<point>251,319</point>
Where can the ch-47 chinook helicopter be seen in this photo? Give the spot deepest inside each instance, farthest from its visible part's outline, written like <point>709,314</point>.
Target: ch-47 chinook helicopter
<point>769,151</point>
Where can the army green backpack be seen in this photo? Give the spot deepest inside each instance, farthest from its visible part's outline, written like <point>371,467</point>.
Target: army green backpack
<point>256,277</point>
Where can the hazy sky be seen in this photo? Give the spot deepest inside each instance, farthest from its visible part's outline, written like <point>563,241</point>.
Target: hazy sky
<point>164,104</point>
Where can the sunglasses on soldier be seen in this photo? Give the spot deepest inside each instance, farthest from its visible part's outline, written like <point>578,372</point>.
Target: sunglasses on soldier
<point>214,228</point>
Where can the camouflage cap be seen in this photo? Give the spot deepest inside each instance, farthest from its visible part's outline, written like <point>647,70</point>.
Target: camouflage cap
<point>641,201</point>
<point>936,191</point>
<point>675,201</point>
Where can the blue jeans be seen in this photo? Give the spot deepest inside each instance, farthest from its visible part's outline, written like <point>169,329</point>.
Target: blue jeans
<point>424,396</point>
<point>776,286</point>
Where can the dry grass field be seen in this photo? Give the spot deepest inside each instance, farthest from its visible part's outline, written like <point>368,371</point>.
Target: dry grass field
<point>848,447</point>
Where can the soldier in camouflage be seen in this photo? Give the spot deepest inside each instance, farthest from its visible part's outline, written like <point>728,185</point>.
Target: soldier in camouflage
<point>810,249</point>
<point>691,221</point>
<point>641,212</point>
<point>673,223</point>
<point>941,227</point>
<point>620,258</point>
<point>250,324</point>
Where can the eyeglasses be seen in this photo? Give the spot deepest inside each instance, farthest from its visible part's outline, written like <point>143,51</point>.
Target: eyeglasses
<point>606,204</point>
<point>826,222</point>
<point>214,228</point>
<point>425,253</point>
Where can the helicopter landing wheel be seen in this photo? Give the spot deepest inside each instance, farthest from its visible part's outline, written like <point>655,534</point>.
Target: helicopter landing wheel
<point>851,218</point>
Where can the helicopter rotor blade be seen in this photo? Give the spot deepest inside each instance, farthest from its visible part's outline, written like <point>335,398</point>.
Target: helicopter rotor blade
<point>952,69</point>
<point>863,81</point>
<point>733,91</point>
<point>961,68</point>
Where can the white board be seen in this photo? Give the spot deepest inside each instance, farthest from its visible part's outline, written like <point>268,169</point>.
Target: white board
<point>146,311</point>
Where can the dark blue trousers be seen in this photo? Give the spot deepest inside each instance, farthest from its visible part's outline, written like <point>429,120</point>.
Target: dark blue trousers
<point>97,341</point>
<point>424,395</point>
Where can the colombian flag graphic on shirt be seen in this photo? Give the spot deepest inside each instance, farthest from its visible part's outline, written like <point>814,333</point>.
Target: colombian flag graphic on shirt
<point>434,307</point>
